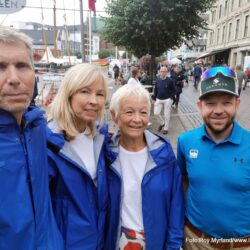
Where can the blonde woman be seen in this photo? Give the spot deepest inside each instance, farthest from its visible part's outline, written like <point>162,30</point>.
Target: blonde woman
<point>77,166</point>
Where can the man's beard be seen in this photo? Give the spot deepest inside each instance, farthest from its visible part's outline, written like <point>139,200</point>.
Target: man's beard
<point>224,128</point>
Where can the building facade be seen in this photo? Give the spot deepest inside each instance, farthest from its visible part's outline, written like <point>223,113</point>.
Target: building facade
<point>228,32</point>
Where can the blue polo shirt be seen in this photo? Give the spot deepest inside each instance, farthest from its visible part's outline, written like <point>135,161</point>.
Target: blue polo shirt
<point>218,195</point>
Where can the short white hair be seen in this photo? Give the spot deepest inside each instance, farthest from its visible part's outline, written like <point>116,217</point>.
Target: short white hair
<point>128,90</point>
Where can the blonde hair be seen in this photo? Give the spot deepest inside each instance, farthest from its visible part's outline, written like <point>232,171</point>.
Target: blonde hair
<point>75,79</point>
<point>135,90</point>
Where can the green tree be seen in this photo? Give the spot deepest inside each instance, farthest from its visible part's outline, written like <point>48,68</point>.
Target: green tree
<point>153,26</point>
<point>78,54</point>
<point>104,53</point>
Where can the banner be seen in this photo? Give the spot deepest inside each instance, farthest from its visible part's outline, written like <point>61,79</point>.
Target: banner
<point>11,6</point>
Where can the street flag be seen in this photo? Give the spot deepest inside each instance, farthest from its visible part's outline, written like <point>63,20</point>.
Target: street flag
<point>92,5</point>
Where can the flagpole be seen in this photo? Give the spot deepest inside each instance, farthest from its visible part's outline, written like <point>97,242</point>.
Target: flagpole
<point>82,32</point>
<point>90,38</point>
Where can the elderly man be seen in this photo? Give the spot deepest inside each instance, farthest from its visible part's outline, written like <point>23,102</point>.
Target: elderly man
<point>164,92</point>
<point>26,217</point>
<point>215,160</point>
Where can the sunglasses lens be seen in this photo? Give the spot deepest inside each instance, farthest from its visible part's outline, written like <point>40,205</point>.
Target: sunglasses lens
<point>214,71</point>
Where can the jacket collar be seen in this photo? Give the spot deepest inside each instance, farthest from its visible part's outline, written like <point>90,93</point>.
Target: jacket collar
<point>31,114</point>
<point>155,144</point>
<point>57,142</point>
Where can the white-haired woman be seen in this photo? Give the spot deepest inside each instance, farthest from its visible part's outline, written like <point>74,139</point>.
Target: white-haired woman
<point>77,168</point>
<point>145,185</point>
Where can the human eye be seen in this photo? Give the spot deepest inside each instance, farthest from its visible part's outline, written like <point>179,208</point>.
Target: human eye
<point>128,112</point>
<point>2,66</point>
<point>227,103</point>
<point>144,113</point>
<point>21,65</point>
<point>100,94</point>
<point>84,91</point>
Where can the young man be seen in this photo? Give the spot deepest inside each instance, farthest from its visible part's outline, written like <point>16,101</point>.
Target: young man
<point>215,161</point>
<point>26,217</point>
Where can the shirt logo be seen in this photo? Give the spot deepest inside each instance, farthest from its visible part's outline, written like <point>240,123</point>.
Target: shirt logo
<point>193,153</point>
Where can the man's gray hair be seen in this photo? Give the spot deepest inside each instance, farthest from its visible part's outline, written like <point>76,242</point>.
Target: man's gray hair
<point>9,35</point>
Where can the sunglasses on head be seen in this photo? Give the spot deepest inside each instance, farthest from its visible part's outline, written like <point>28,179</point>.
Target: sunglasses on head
<point>214,71</point>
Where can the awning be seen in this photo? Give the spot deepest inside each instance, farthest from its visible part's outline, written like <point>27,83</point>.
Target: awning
<point>213,52</point>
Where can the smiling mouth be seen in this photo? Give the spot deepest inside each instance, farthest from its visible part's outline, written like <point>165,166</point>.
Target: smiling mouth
<point>135,127</point>
<point>91,110</point>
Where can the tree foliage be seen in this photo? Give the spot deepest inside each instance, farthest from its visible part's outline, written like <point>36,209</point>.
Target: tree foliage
<point>153,26</point>
<point>104,53</point>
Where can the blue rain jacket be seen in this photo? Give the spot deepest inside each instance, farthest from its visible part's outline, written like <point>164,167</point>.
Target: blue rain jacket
<point>162,196</point>
<point>79,205</point>
<point>26,216</point>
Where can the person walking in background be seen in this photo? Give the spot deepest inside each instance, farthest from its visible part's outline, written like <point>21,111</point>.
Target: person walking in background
<point>164,92</point>
<point>178,78</point>
<point>26,216</point>
<point>116,71</point>
<point>197,75</point>
<point>215,162</point>
<point>134,76</point>
<point>247,72</point>
<point>78,182</point>
<point>240,77</point>
<point>145,186</point>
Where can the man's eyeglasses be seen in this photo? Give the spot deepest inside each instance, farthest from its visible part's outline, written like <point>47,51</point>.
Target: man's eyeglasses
<point>214,71</point>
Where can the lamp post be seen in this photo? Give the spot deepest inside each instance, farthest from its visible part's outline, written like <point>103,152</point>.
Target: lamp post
<point>82,32</point>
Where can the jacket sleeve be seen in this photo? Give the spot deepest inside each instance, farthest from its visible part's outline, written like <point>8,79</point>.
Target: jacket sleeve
<point>155,91</point>
<point>52,166</point>
<point>175,232</point>
<point>172,87</point>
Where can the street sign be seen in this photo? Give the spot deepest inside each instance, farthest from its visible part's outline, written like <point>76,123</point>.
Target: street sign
<point>11,6</point>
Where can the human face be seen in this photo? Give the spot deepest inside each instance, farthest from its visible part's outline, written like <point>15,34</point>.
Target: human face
<point>17,79</point>
<point>218,112</point>
<point>163,72</point>
<point>88,103</point>
<point>132,119</point>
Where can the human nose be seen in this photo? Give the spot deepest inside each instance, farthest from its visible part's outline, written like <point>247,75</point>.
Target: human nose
<point>218,108</point>
<point>92,98</point>
<point>136,117</point>
<point>12,76</point>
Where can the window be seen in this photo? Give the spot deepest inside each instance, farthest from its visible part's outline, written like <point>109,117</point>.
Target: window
<point>211,37</point>
<point>223,33</point>
<point>218,35</point>
<point>237,28</point>
<point>220,10</point>
<point>246,26</point>
<point>240,3</point>
<point>232,5</point>
<point>213,16</point>
<point>229,31</point>
<point>226,5</point>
